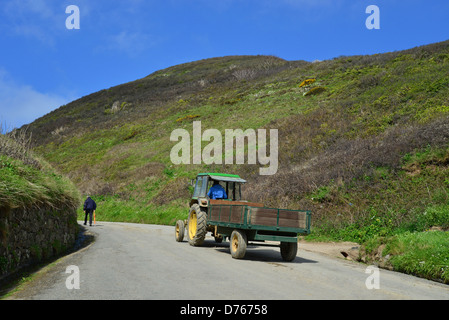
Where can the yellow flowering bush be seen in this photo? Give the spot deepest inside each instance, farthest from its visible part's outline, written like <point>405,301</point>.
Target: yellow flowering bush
<point>306,82</point>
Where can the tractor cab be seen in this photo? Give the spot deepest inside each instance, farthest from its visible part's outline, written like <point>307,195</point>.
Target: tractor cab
<point>231,184</point>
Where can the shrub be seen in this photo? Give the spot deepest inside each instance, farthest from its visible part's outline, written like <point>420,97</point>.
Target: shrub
<point>17,144</point>
<point>189,117</point>
<point>245,74</point>
<point>315,91</point>
<point>306,82</point>
<point>433,216</point>
<point>431,113</point>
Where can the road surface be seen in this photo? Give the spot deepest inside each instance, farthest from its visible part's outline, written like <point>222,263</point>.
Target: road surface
<point>137,261</point>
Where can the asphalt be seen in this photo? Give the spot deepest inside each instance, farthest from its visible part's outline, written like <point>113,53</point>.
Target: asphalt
<point>144,262</point>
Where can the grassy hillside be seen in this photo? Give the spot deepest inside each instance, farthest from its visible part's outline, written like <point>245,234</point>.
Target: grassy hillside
<point>363,141</point>
<point>26,180</point>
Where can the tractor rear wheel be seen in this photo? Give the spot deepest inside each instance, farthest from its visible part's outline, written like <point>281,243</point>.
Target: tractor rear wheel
<point>196,225</point>
<point>179,230</point>
<point>289,250</point>
<point>237,244</point>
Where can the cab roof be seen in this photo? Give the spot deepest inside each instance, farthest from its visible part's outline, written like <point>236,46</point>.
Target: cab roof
<point>223,177</point>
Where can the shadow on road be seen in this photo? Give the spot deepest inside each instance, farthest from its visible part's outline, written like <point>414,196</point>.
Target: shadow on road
<point>254,252</point>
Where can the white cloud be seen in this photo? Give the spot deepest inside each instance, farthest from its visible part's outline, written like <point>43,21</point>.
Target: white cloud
<point>21,104</point>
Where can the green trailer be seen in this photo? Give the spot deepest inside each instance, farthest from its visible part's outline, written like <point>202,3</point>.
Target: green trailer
<point>238,220</point>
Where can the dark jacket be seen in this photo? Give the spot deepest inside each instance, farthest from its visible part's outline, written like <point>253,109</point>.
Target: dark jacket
<point>90,204</point>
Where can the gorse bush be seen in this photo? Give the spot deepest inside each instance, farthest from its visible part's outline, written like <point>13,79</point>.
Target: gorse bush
<point>306,82</point>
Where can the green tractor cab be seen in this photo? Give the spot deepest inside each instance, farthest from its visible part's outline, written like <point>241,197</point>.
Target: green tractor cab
<point>204,181</point>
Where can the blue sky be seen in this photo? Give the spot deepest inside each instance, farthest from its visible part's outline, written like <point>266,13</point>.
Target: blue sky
<point>44,65</point>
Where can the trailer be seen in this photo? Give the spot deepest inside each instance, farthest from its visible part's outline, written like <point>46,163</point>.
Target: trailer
<point>238,220</point>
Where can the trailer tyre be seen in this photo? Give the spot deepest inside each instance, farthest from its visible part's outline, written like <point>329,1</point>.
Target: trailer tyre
<point>237,244</point>
<point>179,230</point>
<point>196,226</point>
<point>289,250</point>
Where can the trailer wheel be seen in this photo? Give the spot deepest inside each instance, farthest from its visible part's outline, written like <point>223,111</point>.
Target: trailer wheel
<point>179,230</point>
<point>237,244</point>
<point>289,250</point>
<point>196,225</point>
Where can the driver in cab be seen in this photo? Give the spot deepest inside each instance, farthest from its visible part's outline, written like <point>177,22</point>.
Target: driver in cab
<point>217,192</point>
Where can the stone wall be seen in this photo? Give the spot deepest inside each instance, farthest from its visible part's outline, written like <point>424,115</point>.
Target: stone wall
<point>31,235</point>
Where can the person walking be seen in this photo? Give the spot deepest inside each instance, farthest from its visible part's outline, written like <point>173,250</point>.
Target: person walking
<point>89,209</point>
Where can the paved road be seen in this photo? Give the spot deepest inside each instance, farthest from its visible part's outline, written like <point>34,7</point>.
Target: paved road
<point>134,261</point>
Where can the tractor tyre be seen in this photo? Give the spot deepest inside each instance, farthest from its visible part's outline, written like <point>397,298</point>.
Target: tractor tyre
<point>237,244</point>
<point>289,250</point>
<point>196,226</point>
<point>179,231</point>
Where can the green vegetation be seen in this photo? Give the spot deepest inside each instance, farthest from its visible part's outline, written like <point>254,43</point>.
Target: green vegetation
<point>27,181</point>
<point>406,216</point>
<point>112,208</point>
<point>368,152</point>
<point>425,254</point>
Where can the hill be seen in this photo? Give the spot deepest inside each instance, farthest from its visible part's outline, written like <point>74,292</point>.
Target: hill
<point>363,140</point>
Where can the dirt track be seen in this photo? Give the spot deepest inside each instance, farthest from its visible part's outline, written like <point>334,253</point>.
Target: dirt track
<point>341,250</point>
